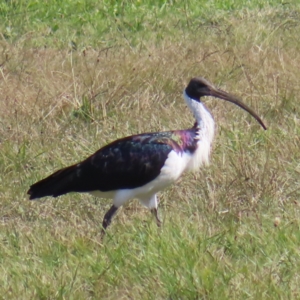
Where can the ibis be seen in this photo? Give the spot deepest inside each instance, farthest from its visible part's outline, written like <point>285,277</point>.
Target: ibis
<point>139,166</point>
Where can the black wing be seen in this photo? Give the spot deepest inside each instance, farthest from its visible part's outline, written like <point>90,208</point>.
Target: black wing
<point>124,164</point>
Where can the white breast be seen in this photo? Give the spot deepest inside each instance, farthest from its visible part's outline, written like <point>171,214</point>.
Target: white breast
<point>205,135</point>
<point>200,156</point>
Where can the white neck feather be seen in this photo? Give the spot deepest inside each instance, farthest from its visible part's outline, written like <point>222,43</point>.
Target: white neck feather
<point>205,134</point>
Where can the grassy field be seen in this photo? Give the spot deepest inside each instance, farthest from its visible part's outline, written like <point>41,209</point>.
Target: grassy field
<point>75,75</point>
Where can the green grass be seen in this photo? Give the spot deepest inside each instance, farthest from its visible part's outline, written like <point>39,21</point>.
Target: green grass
<point>231,230</point>
<point>81,23</point>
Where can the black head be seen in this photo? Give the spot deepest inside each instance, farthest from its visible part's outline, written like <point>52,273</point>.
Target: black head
<point>199,87</point>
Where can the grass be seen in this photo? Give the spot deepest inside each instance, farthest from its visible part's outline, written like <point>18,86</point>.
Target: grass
<point>231,230</point>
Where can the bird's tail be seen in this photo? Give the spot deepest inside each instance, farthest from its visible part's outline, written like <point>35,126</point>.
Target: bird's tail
<point>61,182</point>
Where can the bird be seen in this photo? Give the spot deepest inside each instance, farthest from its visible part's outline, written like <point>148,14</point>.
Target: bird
<point>139,166</point>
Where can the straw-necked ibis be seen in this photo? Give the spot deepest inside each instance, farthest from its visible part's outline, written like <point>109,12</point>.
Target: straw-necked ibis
<point>139,166</point>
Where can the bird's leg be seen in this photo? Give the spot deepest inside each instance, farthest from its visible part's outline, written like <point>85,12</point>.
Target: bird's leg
<point>155,213</point>
<point>154,201</point>
<point>152,204</point>
<point>107,218</point>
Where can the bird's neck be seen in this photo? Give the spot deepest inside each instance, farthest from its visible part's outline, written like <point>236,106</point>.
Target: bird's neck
<point>204,120</point>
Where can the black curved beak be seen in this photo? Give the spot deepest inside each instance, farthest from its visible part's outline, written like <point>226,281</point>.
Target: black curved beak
<point>227,97</point>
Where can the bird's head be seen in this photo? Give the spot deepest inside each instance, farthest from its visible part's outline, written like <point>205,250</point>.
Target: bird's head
<point>199,87</point>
